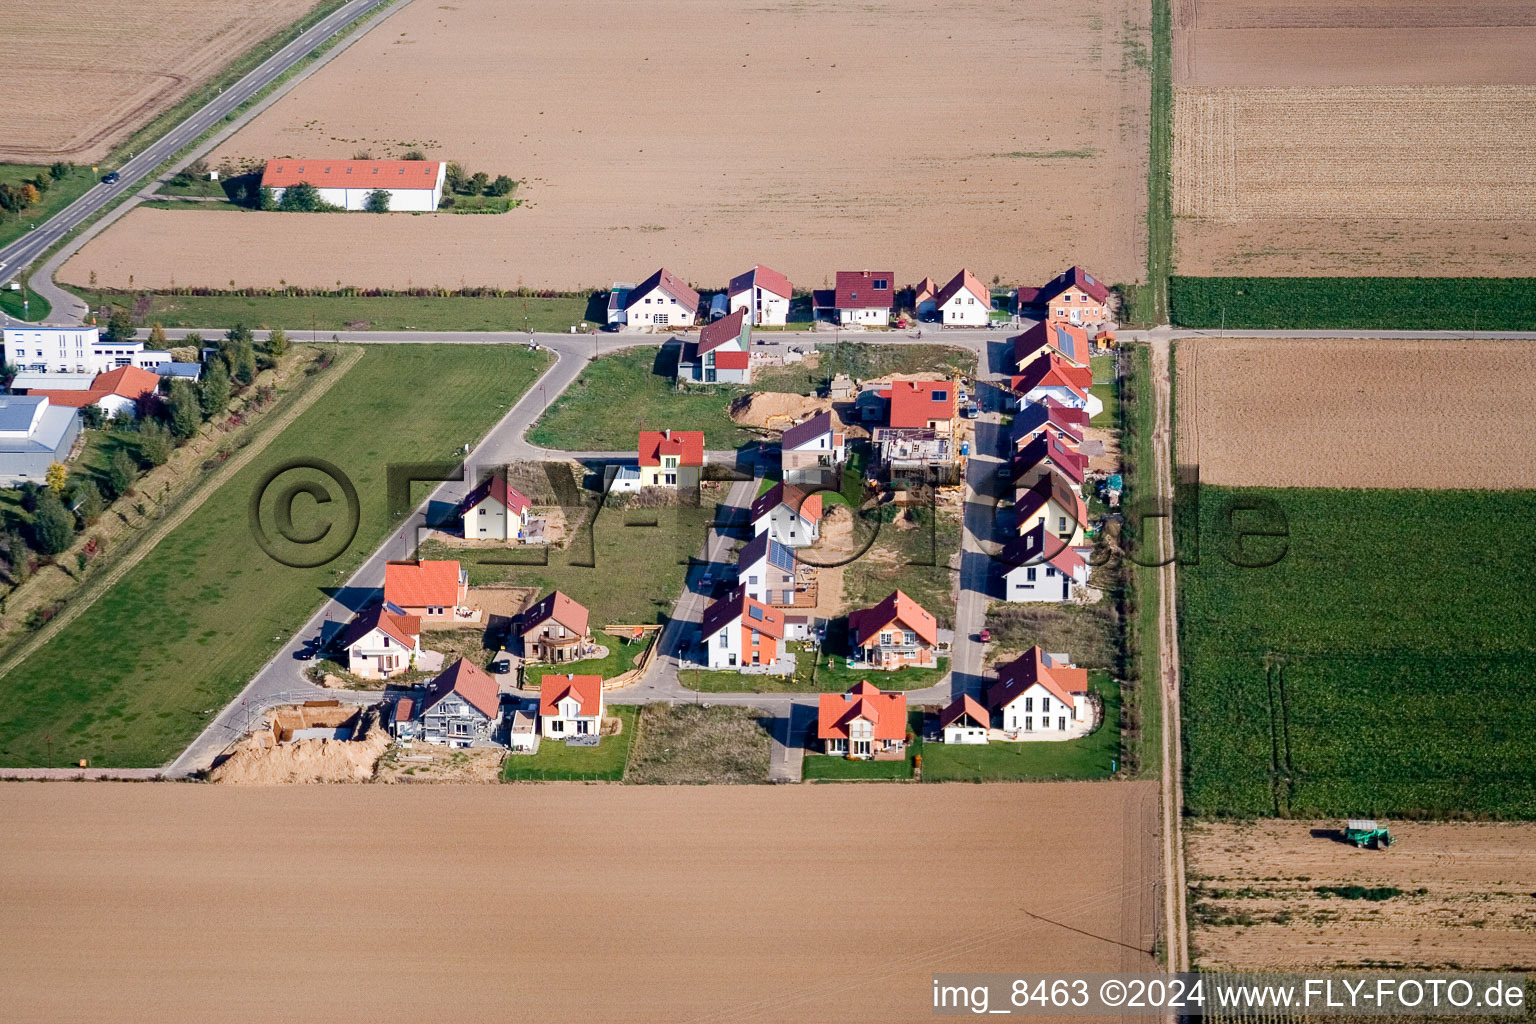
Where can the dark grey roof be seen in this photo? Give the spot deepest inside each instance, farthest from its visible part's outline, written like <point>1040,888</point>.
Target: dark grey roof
<point>762,546</point>
<point>814,427</point>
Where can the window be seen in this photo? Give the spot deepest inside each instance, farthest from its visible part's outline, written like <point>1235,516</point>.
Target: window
<point>1061,524</point>
<point>1029,574</point>
<point>885,638</point>
<point>909,637</point>
<point>1049,572</point>
<point>1029,724</point>
<point>1045,703</point>
<point>940,395</point>
<point>1061,723</point>
<point>1029,703</point>
<point>660,318</point>
<point>458,728</point>
<point>725,640</point>
<point>880,284</point>
<point>556,725</point>
<point>582,726</point>
<point>752,580</point>
<point>482,511</point>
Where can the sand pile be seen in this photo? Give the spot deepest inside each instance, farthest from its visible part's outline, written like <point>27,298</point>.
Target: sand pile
<point>775,410</point>
<point>257,761</point>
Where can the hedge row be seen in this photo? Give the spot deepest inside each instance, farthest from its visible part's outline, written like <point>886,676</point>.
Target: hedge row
<point>1340,303</point>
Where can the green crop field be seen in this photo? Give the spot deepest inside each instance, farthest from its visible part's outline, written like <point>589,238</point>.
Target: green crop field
<point>1365,303</point>
<point>140,673</point>
<point>1382,666</point>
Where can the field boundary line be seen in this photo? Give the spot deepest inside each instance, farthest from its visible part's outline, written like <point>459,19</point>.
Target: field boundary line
<point>150,540</point>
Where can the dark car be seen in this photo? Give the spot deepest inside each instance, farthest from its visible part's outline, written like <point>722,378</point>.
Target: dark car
<point>110,178</point>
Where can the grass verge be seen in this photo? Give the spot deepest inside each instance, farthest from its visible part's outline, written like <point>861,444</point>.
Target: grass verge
<point>1143,709</point>
<point>556,762</point>
<point>25,304</point>
<point>59,195</point>
<point>1366,303</point>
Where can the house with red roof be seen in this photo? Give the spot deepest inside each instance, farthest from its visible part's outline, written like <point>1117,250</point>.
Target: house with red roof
<point>893,634</point>
<point>1051,376</point>
<point>495,510</point>
<point>738,631</point>
<point>1057,336</point>
<point>723,353</point>
<point>1052,500</point>
<point>922,298</point>
<point>863,723</point>
<point>1047,452</point>
<point>788,515</point>
<point>431,591</point>
<point>1048,415</point>
<point>556,629</point>
<point>413,185</point>
<point>1075,296</point>
<point>965,720</point>
<point>930,404</point>
<point>381,641</point>
<point>116,392</point>
<point>1041,696</point>
<point>462,708</point>
<point>862,298</point>
<point>963,302</point>
<point>764,293</point>
<point>570,706</point>
<point>671,458</point>
<point>661,300</point>
<point>1041,567</point>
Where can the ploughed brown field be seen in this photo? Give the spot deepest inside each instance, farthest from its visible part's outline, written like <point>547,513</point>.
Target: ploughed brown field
<point>1369,413</point>
<point>167,903</point>
<point>79,76</point>
<point>1463,896</point>
<point>1367,138</point>
<point>706,136</point>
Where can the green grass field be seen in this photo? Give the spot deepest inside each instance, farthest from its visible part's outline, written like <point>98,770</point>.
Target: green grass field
<point>809,678</point>
<point>326,313</point>
<point>59,195</point>
<point>1143,710</point>
<point>138,674</point>
<point>1095,756</point>
<point>1107,388</point>
<point>620,658</point>
<point>1381,667</point>
<point>1384,303</point>
<point>557,762</point>
<point>36,308</point>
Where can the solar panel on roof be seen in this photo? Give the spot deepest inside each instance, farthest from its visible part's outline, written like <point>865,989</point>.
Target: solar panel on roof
<point>780,556</point>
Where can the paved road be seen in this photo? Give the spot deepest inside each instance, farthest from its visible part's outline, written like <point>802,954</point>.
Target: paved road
<point>19,254</point>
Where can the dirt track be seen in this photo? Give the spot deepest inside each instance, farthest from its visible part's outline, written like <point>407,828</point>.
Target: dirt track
<point>1358,413</point>
<point>660,904</point>
<point>1261,909</point>
<point>81,75</point>
<point>706,136</point>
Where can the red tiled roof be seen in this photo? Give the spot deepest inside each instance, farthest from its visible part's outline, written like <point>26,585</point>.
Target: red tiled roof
<point>964,279</point>
<point>927,288</point>
<point>421,584</point>
<point>562,609</point>
<point>125,382</point>
<point>669,283</point>
<point>1051,370</point>
<point>404,628</point>
<point>727,328</point>
<point>472,683</point>
<point>588,690</point>
<point>403,708</point>
<point>886,713</point>
<point>505,495</point>
<point>1019,675</point>
<point>761,277</point>
<point>856,289</point>
<point>688,444</point>
<point>808,505</point>
<point>1073,277</point>
<point>964,704</point>
<point>1049,445</point>
<point>915,402</point>
<point>866,623</point>
<point>733,360</point>
<point>351,173</point>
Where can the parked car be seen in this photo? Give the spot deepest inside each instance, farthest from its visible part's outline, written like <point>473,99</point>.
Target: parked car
<point>707,582</point>
<point>985,636</point>
<point>972,410</point>
<point>110,178</point>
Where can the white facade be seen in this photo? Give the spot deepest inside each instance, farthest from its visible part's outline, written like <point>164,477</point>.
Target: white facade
<point>723,648</point>
<point>880,317</point>
<point>764,308</point>
<point>409,200</point>
<point>964,732</point>
<point>1035,714</point>
<point>377,655</point>
<point>1064,395</point>
<point>965,309</point>
<point>568,721</point>
<point>656,308</point>
<point>490,520</point>
<point>787,526</point>
<point>75,350</point>
<point>1043,582</point>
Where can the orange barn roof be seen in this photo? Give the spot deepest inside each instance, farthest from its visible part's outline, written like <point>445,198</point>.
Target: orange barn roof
<point>421,584</point>
<point>351,173</point>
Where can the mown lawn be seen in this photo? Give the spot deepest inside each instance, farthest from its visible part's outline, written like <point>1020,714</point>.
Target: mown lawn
<point>1380,666</point>
<point>1095,756</point>
<point>557,762</point>
<point>620,658</point>
<point>138,675</point>
<point>1107,388</point>
<point>811,676</point>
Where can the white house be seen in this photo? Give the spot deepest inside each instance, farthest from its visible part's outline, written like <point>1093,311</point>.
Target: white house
<point>413,185</point>
<point>75,350</point>
<point>1051,376</point>
<point>570,706</point>
<point>738,631</point>
<point>495,511</point>
<point>381,641</point>
<point>862,298</point>
<point>811,452</point>
<point>116,392</point>
<point>964,302</point>
<point>965,721</point>
<point>661,300</point>
<point>765,570</point>
<point>1041,697</point>
<point>722,355</point>
<point>764,294</point>
<point>788,515</point>
<point>1040,566</point>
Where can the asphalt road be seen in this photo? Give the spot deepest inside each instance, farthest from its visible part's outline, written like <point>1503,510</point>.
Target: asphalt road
<point>23,251</point>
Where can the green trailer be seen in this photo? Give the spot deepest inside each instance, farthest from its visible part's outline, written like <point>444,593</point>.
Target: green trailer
<point>1366,834</point>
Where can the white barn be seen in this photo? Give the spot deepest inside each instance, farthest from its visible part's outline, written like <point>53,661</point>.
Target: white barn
<point>413,185</point>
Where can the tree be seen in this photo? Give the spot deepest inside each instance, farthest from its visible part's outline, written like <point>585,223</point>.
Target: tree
<point>28,194</point>
<point>238,352</point>
<point>277,342</point>
<point>454,176</point>
<point>120,325</point>
<point>86,498</point>
<point>17,558</point>
<point>56,476</point>
<point>60,169</point>
<point>10,201</point>
<point>215,392</point>
<point>91,417</point>
<point>154,442</point>
<point>264,199</point>
<point>42,183</point>
<point>185,410</point>
<point>122,471</point>
<point>503,185</point>
<point>53,527</point>
<point>303,198</point>
<point>377,201</point>
<point>477,182</point>
<point>157,336</point>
